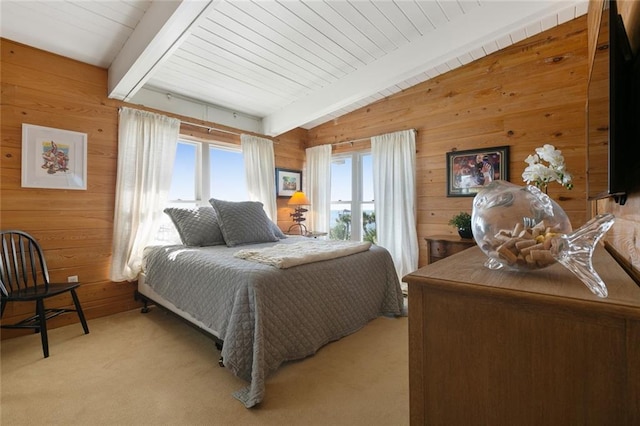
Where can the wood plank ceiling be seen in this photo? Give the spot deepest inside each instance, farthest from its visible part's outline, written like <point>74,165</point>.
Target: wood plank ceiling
<point>287,63</point>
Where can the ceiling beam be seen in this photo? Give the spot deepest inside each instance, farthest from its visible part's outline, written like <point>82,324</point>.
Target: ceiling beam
<point>162,29</point>
<point>456,38</point>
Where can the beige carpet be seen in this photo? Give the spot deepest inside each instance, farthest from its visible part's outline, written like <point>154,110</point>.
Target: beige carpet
<point>154,369</point>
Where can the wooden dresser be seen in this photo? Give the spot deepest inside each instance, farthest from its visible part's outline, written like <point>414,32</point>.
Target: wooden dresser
<point>441,246</point>
<point>522,348</point>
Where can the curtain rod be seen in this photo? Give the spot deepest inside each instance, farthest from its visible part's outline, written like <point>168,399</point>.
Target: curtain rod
<point>210,128</point>
<point>352,141</point>
<point>231,132</point>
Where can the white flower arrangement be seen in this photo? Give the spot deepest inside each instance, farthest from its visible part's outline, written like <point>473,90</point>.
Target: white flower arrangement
<point>539,174</point>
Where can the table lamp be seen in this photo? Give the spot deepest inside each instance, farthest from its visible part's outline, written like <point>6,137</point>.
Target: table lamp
<point>298,199</point>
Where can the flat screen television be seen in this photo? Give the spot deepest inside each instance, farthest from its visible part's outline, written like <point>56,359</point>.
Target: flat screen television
<point>611,133</point>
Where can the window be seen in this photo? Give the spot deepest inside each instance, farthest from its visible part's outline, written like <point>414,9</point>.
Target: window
<point>183,188</point>
<point>227,179</point>
<point>202,171</point>
<point>352,208</point>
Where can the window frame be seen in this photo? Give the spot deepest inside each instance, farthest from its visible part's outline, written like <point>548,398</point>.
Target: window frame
<point>202,184</point>
<point>357,190</point>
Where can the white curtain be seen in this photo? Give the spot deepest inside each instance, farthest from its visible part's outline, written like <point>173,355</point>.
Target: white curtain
<point>259,166</point>
<point>318,187</point>
<point>394,189</point>
<point>146,152</point>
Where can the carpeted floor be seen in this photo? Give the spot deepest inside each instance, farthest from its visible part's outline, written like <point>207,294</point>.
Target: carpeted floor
<point>154,369</point>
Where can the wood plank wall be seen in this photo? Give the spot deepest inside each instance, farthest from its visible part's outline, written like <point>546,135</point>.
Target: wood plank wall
<point>524,96</point>
<point>75,227</point>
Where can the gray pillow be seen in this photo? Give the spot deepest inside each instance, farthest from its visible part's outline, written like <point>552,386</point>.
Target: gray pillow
<point>197,226</point>
<point>277,231</point>
<point>243,222</point>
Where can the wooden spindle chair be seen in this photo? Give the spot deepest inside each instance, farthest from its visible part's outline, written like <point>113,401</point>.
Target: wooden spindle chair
<point>24,278</point>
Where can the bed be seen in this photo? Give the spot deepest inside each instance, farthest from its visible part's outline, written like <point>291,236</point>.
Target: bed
<point>263,314</point>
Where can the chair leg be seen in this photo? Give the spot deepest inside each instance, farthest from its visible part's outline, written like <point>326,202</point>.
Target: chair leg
<point>42,319</point>
<point>76,301</point>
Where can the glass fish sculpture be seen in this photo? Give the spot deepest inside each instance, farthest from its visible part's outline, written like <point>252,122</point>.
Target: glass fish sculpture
<point>522,228</point>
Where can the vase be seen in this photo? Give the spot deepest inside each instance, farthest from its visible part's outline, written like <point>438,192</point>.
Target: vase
<point>522,228</point>
<point>465,232</point>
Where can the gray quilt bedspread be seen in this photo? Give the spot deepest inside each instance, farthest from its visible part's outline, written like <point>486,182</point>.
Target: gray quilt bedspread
<point>266,315</point>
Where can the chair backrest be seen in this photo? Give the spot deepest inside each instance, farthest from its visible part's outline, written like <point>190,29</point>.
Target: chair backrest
<point>22,264</point>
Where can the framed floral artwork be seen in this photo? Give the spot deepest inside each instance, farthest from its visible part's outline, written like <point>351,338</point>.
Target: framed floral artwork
<point>53,158</point>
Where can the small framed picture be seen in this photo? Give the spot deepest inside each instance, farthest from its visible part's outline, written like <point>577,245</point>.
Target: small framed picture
<point>53,158</point>
<point>288,182</point>
<point>469,171</point>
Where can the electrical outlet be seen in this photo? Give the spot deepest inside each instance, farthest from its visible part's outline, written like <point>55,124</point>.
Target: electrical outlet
<point>72,279</point>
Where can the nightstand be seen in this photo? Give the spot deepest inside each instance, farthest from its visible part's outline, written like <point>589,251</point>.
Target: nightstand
<point>441,246</point>
<point>308,234</point>
<point>313,234</point>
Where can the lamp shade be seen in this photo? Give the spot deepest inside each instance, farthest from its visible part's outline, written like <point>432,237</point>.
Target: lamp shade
<point>299,199</point>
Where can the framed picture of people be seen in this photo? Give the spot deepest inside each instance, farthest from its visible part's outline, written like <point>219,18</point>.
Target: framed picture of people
<point>469,171</point>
